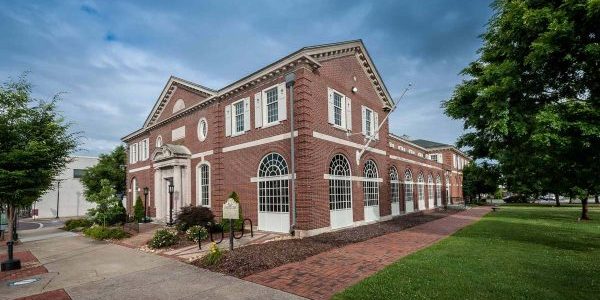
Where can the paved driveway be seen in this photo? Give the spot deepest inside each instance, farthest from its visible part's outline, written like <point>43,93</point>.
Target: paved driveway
<point>88,269</point>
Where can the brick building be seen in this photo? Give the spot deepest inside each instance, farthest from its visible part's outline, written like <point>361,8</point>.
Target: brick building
<point>208,143</point>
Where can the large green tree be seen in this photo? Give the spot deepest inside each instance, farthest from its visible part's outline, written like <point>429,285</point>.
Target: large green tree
<point>35,146</point>
<point>531,101</point>
<point>480,178</point>
<point>111,167</point>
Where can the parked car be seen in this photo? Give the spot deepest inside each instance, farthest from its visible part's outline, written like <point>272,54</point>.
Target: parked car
<point>516,199</point>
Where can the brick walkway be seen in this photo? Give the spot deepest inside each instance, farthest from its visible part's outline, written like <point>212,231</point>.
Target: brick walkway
<point>322,275</point>
<point>30,266</point>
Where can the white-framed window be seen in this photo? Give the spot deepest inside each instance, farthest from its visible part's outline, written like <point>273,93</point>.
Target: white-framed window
<point>340,184</point>
<point>133,153</point>
<point>202,129</point>
<point>401,148</point>
<point>394,185</point>
<point>421,189</point>
<point>273,193</point>
<point>438,190</point>
<point>370,123</point>
<point>270,107</point>
<point>237,118</point>
<point>203,184</point>
<point>408,186</point>
<point>159,142</point>
<point>420,154</point>
<point>430,195</point>
<point>144,149</point>
<point>411,151</point>
<point>371,187</point>
<point>339,110</point>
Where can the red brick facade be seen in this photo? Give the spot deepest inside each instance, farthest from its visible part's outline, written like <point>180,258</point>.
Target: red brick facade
<point>234,160</point>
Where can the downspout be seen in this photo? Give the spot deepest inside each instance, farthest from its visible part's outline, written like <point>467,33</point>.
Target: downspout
<point>290,79</point>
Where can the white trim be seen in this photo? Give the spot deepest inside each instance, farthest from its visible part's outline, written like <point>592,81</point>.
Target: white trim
<point>202,154</point>
<point>201,138</point>
<point>345,143</point>
<point>353,178</point>
<point>139,169</point>
<point>271,139</point>
<point>414,162</point>
<point>272,178</point>
<point>234,131</point>
<point>456,172</point>
<point>199,183</point>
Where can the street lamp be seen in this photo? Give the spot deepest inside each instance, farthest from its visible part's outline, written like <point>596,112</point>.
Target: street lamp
<point>171,190</point>
<point>145,204</point>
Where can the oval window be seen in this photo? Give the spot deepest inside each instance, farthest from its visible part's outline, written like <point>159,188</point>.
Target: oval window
<point>202,129</point>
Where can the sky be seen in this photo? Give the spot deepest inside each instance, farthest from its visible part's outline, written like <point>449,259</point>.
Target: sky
<point>109,60</point>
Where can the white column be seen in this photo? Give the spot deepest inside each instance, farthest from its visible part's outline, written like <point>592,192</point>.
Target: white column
<point>177,195</point>
<point>158,194</point>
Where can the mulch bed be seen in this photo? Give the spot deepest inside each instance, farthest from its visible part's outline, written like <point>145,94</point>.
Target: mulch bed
<point>255,258</point>
<point>30,266</point>
<point>50,295</point>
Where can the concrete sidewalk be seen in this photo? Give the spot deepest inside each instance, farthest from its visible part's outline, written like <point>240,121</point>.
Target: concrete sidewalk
<point>88,269</point>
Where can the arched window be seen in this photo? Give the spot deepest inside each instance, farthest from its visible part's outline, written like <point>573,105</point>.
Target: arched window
<point>340,191</point>
<point>134,190</point>
<point>430,190</point>
<point>448,200</point>
<point>179,105</point>
<point>273,195</point>
<point>158,141</point>
<point>203,186</point>
<point>394,185</point>
<point>421,188</point>
<point>408,186</point>
<point>371,187</point>
<point>438,190</point>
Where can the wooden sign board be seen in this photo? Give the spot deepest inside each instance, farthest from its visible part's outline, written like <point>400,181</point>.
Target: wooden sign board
<point>231,209</point>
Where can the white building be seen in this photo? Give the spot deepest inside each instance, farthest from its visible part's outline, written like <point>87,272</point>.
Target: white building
<point>66,196</point>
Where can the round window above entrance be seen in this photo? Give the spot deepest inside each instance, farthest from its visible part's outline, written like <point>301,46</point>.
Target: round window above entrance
<point>202,129</point>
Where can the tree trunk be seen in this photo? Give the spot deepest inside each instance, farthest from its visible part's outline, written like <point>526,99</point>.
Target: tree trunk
<point>557,198</point>
<point>596,199</point>
<point>584,209</point>
<point>570,199</point>
<point>478,198</point>
<point>10,214</point>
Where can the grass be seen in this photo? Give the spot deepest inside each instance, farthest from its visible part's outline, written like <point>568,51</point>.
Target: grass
<point>519,252</point>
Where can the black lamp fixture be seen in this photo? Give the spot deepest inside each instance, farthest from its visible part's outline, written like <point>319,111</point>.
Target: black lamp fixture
<point>171,190</point>
<point>145,204</point>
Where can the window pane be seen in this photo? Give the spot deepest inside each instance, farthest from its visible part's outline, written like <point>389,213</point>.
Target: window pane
<point>272,106</point>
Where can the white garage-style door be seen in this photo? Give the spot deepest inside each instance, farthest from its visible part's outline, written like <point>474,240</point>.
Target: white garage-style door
<point>273,194</point>
<point>371,191</point>
<point>408,192</point>
<point>340,192</point>
<point>421,192</point>
<point>395,191</point>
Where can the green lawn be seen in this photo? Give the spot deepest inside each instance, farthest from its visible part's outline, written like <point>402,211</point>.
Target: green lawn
<point>518,252</point>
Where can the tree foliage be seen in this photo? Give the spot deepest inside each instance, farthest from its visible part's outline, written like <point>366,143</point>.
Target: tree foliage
<point>109,210</point>
<point>35,145</point>
<point>478,179</point>
<point>531,101</point>
<point>110,167</point>
<point>138,210</point>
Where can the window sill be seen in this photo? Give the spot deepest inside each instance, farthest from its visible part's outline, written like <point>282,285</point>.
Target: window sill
<point>271,124</point>
<point>339,128</point>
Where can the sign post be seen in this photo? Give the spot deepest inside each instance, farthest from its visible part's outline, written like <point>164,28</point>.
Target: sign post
<point>231,211</point>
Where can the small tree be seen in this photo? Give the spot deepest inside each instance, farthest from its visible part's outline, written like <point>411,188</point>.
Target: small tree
<point>109,209</point>
<point>480,179</point>
<point>138,210</point>
<point>35,143</point>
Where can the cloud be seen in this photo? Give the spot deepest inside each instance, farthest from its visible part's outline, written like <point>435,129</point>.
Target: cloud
<point>113,58</point>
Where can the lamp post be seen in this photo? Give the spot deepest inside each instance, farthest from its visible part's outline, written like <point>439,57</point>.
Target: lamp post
<point>145,204</point>
<point>171,190</point>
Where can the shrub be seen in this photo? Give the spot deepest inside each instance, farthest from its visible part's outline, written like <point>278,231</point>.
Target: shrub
<point>77,224</point>
<point>213,256</point>
<point>196,233</point>
<point>138,210</point>
<point>109,209</point>
<point>104,233</point>
<point>193,215</point>
<point>163,238</point>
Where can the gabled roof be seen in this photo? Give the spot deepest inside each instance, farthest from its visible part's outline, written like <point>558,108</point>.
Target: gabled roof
<point>429,144</point>
<point>310,55</point>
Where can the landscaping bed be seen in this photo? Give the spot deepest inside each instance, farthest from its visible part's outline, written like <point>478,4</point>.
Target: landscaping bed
<point>251,259</point>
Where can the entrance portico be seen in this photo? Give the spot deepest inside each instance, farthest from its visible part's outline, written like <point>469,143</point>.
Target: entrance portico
<point>171,165</point>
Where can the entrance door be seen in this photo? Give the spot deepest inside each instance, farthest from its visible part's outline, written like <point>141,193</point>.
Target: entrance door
<point>340,193</point>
